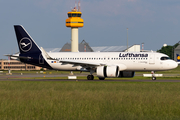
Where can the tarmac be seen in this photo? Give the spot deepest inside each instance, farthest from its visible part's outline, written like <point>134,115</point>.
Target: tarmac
<point>54,77</point>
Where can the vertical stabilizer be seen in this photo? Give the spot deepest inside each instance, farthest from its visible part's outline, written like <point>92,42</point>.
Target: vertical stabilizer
<point>30,52</point>
<point>25,42</point>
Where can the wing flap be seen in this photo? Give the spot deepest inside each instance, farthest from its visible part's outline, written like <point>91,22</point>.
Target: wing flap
<point>80,63</point>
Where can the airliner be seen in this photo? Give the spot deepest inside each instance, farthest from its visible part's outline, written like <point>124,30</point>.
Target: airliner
<point>104,64</point>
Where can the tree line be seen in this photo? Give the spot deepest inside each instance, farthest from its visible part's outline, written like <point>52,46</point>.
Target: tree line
<point>168,50</point>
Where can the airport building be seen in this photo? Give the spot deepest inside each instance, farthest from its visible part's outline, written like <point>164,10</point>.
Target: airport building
<point>84,47</point>
<point>16,65</point>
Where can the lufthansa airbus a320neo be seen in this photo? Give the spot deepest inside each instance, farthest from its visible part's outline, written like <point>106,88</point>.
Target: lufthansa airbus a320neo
<point>104,64</point>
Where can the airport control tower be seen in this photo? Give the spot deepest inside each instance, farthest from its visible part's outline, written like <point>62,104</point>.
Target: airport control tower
<point>74,21</point>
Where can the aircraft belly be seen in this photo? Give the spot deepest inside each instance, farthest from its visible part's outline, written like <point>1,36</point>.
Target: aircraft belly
<point>141,66</point>
<point>58,66</point>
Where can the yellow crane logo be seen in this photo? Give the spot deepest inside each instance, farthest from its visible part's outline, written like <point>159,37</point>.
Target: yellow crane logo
<point>178,57</point>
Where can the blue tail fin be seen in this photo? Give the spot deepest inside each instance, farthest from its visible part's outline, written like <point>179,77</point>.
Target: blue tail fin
<point>25,42</point>
<point>29,51</point>
<point>178,57</point>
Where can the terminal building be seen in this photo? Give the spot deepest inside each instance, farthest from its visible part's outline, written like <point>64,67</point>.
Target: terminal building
<point>84,47</point>
<point>16,65</point>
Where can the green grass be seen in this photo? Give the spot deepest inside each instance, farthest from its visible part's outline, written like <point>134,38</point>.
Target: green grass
<point>28,100</point>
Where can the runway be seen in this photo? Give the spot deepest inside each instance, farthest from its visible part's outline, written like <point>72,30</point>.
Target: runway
<point>42,77</point>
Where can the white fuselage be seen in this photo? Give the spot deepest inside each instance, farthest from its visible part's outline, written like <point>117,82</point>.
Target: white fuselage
<point>127,61</point>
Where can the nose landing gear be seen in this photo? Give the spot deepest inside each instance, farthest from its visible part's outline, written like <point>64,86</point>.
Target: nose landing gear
<point>153,75</point>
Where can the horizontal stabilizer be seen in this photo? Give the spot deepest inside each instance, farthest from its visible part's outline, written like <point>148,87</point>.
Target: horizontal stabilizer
<point>20,57</point>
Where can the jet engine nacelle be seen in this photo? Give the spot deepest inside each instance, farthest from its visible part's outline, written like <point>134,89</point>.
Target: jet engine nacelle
<point>126,74</point>
<point>107,71</point>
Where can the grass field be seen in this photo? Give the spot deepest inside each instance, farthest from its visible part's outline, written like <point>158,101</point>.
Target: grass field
<point>57,100</point>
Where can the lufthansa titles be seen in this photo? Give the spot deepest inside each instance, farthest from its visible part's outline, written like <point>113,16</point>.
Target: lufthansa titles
<point>132,55</point>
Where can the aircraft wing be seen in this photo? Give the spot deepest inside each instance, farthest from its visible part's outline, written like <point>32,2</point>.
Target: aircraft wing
<point>81,63</point>
<point>90,65</point>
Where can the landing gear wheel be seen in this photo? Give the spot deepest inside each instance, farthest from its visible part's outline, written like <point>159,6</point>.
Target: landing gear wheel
<point>153,75</point>
<point>101,78</point>
<point>90,77</point>
<point>153,78</point>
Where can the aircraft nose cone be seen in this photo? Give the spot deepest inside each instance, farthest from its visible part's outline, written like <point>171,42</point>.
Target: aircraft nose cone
<point>174,65</point>
<point>171,64</point>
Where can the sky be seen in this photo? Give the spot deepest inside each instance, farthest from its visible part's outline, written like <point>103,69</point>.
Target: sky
<point>152,22</point>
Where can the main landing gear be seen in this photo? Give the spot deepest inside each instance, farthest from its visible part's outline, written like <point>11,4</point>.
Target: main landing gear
<point>90,77</point>
<point>101,78</point>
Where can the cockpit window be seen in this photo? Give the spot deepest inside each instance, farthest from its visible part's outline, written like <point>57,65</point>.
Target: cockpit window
<point>165,58</point>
